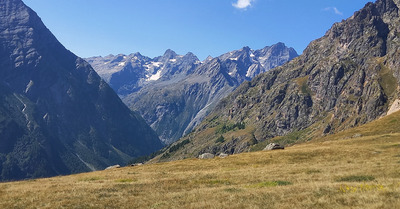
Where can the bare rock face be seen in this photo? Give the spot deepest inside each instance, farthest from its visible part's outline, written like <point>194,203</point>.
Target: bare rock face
<point>346,78</point>
<point>56,114</point>
<point>206,156</point>
<point>395,107</point>
<point>273,146</point>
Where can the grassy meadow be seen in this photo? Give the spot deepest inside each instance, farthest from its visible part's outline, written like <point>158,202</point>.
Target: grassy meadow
<point>358,168</point>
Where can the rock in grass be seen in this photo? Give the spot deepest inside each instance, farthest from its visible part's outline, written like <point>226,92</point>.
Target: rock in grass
<point>223,155</point>
<point>206,156</point>
<point>137,164</point>
<point>112,167</point>
<point>273,146</point>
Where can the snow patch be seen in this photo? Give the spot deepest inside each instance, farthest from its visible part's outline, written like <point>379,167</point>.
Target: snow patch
<point>30,84</point>
<point>172,60</point>
<point>155,76</point>
<point>122,64</point>
<point>248,74</point>
<point>157,64</point>
<point>235,59</point>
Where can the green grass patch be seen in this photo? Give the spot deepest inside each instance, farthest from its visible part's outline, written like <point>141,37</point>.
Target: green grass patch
<point>229,127</point>
<point>387,80</point>
<point>220,139</point>
<point>353,178</point>
<point>124,180</point>
<point>179,145</point>
<point>259,146</point>
<point>302,83</point>
<point>213,182</point>
<point>295,136</point>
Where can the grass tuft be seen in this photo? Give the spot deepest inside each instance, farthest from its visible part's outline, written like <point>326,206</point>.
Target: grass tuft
<point>356,178</point>
<point>313,171</point>
<point>124,180</point>
<point>271,184</point>
<point>93,178</point>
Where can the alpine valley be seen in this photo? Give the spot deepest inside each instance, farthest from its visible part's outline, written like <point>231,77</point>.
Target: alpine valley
<point>57,116</point>
<point>335,109</point>
<point>174,93</point>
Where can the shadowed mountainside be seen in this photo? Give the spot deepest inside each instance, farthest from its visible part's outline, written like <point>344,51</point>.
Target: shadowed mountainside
<point>56,114</point>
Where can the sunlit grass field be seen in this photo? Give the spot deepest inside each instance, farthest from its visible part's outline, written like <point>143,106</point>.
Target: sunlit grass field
<point>358,168</point>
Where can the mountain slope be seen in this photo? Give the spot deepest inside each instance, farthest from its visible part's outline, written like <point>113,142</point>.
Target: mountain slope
<point>348,77</point>
<point>56,114</point>
<point>357,168</point>
<point>183,96</point>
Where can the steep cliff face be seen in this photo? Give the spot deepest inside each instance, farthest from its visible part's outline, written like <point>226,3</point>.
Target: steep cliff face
<point>56,115</point>
<point>181,99</point>
<point>348,77</point>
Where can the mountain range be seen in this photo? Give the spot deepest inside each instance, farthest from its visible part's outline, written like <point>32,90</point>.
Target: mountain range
<point>173,92</point>
<point>346,78</point>
<point>57,116</point>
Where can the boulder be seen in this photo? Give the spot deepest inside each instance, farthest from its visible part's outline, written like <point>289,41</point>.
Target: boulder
<point>137,164</point>
<point>111,167</point>
<point>223,155</point>
<point>273,146</point>
<point>206,156</point>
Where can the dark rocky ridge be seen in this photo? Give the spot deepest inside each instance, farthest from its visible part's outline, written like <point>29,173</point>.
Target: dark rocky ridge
<point>56,114</point>
<point>348,77</point>
<point>185,90</point>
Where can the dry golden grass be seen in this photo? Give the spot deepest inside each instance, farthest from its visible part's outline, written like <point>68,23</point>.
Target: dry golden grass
<point>341,171</point>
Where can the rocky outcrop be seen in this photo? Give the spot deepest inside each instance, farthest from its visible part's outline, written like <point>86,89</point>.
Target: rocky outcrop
<point>112,167</point>
<point>223,155</point>
<point>206,156</point>
<point>348,77</point>
<point>273,146</point>
<point>395,107</point>
<point>56,114</point>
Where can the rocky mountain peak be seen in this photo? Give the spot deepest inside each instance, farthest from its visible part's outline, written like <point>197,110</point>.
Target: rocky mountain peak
<point>208,58</point>
<point>190,56</point>
<point>245,49</point>
<point>136,54</point>
<point>169,54</point>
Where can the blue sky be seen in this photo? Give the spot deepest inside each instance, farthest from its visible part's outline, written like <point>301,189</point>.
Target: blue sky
<point>204,27</point>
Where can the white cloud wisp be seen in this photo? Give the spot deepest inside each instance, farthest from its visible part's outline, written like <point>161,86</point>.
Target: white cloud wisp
<point>334,9</point>
<point>242,4</point>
